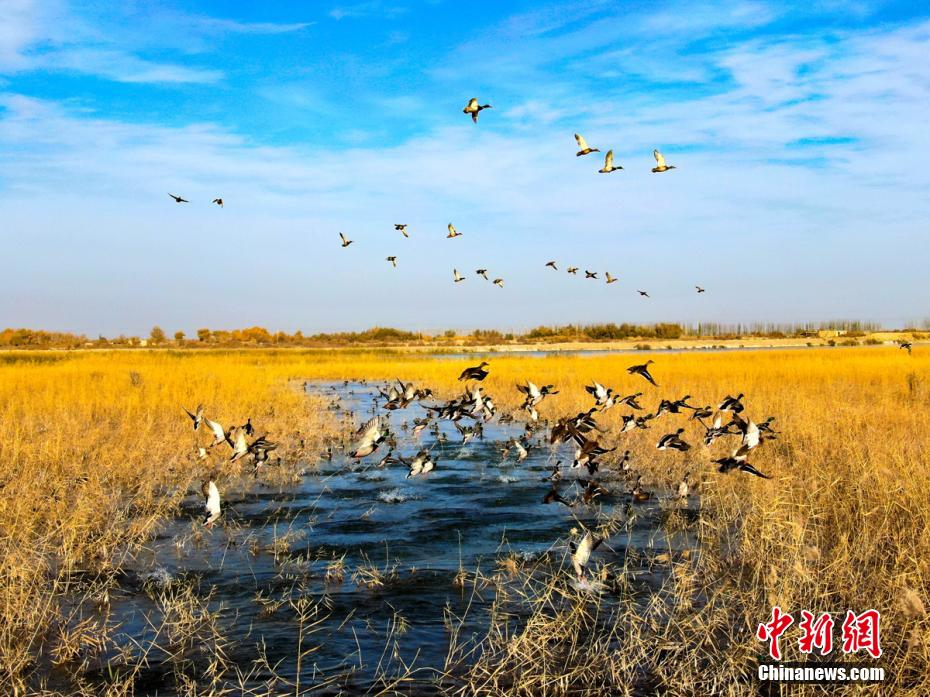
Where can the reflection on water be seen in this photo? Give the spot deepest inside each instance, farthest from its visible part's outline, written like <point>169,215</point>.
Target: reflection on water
<point>376,550</point>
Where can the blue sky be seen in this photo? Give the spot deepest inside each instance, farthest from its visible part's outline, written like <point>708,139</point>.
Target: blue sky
<point>799,133</point>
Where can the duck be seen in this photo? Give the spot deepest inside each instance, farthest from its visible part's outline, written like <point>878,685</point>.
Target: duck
<point>610,279</point>
<point>581,553</point>
<point>453,232</point>
<point>552,496</point>
<point>592,490</point>
<point>572,270</point>
<point>477,372</point>
<point>630,400</point>
<point>393,261</point>
<point>218,202</point>
<point>590,274</point>
<point>736,461</point>
<point>583,148</point>
<point>402,229</point>
<point>345,241</point>
<point>609,163</point>
<point>684,487</point>
<point>422,463</point>
<point>599,392</point>
<point>732,404</point>
<point>699,289</point>
<point>673,441</point>
<point>551,264</point>
<point>483,273</point>
<point>212,505</point>
<point>178,199</point>
<point>643,293</point>
<point>456,276</point>
<point>520,448</point>
<point>196,417</point>
<point>660,163</point>
<point>638,493</point>
<point>499,282</point>
<point>643,370</point>
<point>219,434</point>
<point>369,437</point>
<point>906,345</point>
<point>474,108</point>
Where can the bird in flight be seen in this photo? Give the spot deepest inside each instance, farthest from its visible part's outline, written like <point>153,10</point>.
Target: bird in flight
<point>581,552</point>
<point>573,270</point>
<point>660,163</point>
<point>477,372</point>
<point>699,289</point>
<point>218,202</point>
<point>401,228</point>
<point>643,293</point>
<point>583,148</point>
<point>609,164</point>
<point>212,503</point>
<point>590,274</point>
<point>499,282</point>
<point>456,276</point>
<point>393,261</point>
<point>474,108</point>
<point>453,232</point>
<point>611,279</point>
<point>196,417</point>
<point>552,265</point>
<point>345,242</point>
<point>483,273</point>
<point>178,199</point>
<point>642,370</point>
<point>906,345</point>
<point>737,461</point>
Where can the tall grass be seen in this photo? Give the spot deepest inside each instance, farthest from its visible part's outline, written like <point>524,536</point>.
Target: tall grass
<point>96,451</point>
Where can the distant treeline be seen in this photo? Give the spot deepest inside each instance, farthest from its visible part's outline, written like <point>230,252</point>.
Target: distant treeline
<point>387,336</point>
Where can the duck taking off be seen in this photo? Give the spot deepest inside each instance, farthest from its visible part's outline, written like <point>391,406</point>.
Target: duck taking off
<point>197,417</point>
<point>581,552</point>
<point>660,163</point>
<point>474,108</point>
<point>583,148</point>
<point>642,370</point>
<point>212,504</point>
<point>609,164</point>
<point>370,436</point>
<point>673,441</point>
<point>737,461</point>
<point>422,463</point>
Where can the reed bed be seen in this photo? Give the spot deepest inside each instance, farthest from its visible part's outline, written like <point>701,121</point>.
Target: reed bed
<point>96,451</point>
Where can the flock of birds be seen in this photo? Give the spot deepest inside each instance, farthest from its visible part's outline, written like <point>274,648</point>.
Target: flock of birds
<point>473,108</point>
<point>475,408</point>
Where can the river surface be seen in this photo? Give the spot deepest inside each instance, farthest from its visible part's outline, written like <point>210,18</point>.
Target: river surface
<point>272,544</point>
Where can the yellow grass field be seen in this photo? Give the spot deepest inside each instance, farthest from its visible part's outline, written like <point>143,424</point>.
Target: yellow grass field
<point>96,450</point>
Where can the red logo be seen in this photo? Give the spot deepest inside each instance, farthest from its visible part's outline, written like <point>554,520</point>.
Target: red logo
<point>860,632</point>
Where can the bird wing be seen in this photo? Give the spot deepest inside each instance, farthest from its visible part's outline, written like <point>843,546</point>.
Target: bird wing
<point>213,500</point>
<point>472,103</point>
<point>369,431</point>
<point>582,145</point>
<point>217,429</point>
<point>660,159</point>
<point>342,237</point>
<point>582,553</point>
<point>609,160</point>
<point>452,229</point>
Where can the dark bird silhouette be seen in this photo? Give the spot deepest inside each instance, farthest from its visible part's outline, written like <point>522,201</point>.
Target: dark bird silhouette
<point>178,199</point>
<point>590,274</point>
<point>699,289</point>
<point>345,241</point>
<point>642,370</point>
<point>477,372</point>
<point>401,228</point>
<point>551,264</point>
<point>218,202</point>
<point>643,293</point>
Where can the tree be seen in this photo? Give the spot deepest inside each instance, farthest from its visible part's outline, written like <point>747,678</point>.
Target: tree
<point>179,338</point>
<point>203,335</point>
<point>157,335</point>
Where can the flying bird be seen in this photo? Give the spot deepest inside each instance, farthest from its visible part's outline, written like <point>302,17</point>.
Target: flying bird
<point>906,345</point>
<point>736,461</point>
<point>197,417</point>
<point>178,199</point>
<point>660,162</point>
<point>552,265</point>
<point>573,270</point>
<point>369,437</point>
<point>453,232</point>
<point>583,148</point>
<point>219,434</point>
<point>456,276</point>
<point>590,274</point>
<point>642,370</point>
<point>581,552</point>
<point>218,202</point>
<point>699,289</point>
<point>609,163</point>
<point>474,108</point>
<point>477,372</point>
<point>610,279</point>
<point>483,273</point>
<point>393,261</point>
<point>422,463</point>
<point>674,441</point>
<point>212,503</point>
<point>345,241</point>
<point>499,282</point>
<point>401,228</point>
<point>643,293</point>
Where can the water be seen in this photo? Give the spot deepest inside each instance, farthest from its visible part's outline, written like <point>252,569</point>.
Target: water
<point>469,513</point>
